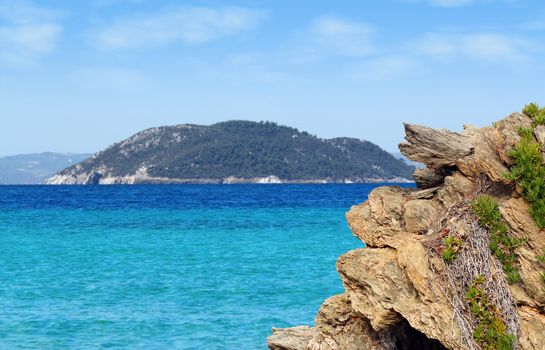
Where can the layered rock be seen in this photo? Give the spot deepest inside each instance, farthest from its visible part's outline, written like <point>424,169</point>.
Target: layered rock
<point>399,293</point>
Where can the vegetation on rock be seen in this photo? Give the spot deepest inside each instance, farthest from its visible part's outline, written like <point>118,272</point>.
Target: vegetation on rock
<point>533,111</point>
<point>501,244</point>
<point>452,245</point>
<point>528,170</point>
<point>490,330</point>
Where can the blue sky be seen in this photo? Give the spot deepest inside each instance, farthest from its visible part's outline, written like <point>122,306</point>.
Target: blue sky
<point>76,76</point>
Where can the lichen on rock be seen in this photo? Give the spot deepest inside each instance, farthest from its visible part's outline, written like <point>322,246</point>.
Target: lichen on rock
<point>399,291</point>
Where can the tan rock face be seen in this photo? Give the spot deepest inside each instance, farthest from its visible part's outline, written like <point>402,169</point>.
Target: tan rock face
<point>515,210</point>
<point>340,327</point>
<point>532,323</point>
<point>396,293</point>
<point>456,188</point>
<point>379,220</point>
<point>295,338</point>
<point>435,148</point>
<point>420,214</point>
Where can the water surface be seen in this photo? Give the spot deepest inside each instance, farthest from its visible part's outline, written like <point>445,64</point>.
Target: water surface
<point>167,267</point>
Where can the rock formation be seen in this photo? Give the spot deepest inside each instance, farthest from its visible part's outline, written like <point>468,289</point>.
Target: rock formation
<point>400,292</point>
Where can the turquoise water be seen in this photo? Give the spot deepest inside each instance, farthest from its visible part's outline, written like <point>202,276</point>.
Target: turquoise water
<point>167,267</point>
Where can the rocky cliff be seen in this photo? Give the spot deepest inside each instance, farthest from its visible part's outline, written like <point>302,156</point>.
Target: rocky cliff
<point>458,262</point>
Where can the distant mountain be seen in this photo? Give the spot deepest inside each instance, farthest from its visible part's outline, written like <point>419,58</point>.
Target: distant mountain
<point>233,152</point>
<point>35,168</point>
<point>399,155</point>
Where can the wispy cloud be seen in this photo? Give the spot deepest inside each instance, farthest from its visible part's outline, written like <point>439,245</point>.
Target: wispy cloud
<point>354,50</point>
<point>383,68</point>
<point>191,25</point>
<point>433,50</point>
<point>488,47</point>
<point>324,39</point>
<point>342,36</point>
<point>27,32</point>
<point>334,36</point>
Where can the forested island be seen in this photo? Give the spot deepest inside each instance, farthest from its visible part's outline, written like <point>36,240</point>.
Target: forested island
<point>235,152</point>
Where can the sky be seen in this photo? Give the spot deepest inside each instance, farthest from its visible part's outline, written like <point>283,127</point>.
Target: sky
<point>77,76</point>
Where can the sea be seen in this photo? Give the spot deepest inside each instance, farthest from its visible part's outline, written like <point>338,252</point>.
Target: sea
<point>167,266</point>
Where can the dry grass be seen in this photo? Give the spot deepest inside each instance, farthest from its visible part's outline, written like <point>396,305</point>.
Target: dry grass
<point>473,259</point>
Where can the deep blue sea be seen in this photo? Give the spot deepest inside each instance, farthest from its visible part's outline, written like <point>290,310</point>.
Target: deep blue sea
<point>167,267</point>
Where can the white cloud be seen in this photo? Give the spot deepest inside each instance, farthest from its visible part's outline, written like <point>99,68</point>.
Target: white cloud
<point>27,32</point>
<point>174,25</point>
<point>383,68</point>
<point>340,36</point>
<point>33,38</point>
<point>486,47</point>
<point>330,36</point>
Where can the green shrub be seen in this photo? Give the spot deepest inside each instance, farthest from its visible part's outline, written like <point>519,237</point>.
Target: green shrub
<point>501,244</point>
<point>526,133</point>
<point>528,172</point>
<point>491,331</point>
<point>540,118</point>
<point>487,211</point>
<point>451,247</point>
<point>536,113</point>
<point>449,255</point>
<point>512,276</point>
<point>531,110</point>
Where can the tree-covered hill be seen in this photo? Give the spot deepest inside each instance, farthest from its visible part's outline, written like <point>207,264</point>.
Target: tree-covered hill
<point>240,149</point>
